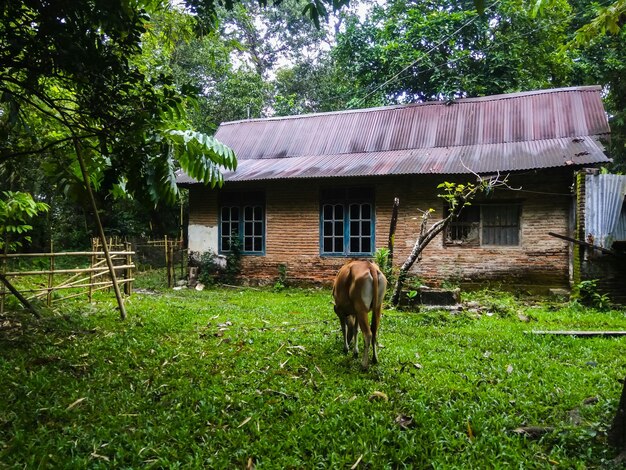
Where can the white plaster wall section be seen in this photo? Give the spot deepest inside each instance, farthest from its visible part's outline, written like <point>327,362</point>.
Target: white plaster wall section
<point>203,238</point>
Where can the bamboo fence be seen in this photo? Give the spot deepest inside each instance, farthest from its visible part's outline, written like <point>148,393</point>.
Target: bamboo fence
<point>81,281</point>
<point>170,247</point>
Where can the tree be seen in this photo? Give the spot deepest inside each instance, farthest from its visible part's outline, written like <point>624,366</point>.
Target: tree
<point>70,63</point>
<point>271,35</point>
<point>457,196</point>
<point>16,208</point>
<point>417,51</point>
<point>310,87</point>
<point>601,59</point>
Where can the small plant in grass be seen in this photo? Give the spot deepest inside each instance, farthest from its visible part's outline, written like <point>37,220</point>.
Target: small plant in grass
<point>411,294</point>
<point>589,295</point>
<point>211,270</point>
<point>452,282</point>
<point>381,258</point>
<point>281,282</point>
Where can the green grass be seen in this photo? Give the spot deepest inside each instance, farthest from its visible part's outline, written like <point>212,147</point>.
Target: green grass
<point>224,377</point>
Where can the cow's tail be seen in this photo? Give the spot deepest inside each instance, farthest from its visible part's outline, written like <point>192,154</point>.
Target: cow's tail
<point>376,305</point>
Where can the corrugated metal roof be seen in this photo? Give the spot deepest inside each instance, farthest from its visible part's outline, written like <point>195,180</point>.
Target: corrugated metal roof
<point>538,129</point>
<point>443,160</point>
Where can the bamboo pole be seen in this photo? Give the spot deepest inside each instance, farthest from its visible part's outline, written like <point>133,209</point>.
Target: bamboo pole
<point>44,290</point>
<point>93,263</point>
<point>72,279</point>
<point>61,253</point>
<point>172,272</point>
<point>19,296</point>
<point>103,269</point>
<point>83,169</point>
<point>182,262</point>
<point>108,286</point>
<point>2,287</point>
<point>168,263</point>
<point>50,275</point>
<point>128,274</point>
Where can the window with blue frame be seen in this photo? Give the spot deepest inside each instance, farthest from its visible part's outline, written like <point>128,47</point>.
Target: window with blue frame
<point>242,218</point>
<point>347,221</point>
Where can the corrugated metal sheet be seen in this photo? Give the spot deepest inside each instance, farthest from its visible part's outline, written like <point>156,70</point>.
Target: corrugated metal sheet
<point>517,131</point>
<point>604,215</point>
<point>443,160</point>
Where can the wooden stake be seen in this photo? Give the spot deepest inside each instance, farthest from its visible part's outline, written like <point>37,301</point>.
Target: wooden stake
<point>392,230</point>
<point>128,286</point>
<point>168,263</point>
<point>50,275</point>
<point>105,248</point>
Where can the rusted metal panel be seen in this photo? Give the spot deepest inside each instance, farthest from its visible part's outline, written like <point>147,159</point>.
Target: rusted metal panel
<point>442,160</point>
<point>517,131</point>
<point>604,211</point>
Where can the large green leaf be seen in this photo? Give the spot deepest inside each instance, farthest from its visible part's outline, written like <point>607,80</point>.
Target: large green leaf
<point>200,154</point>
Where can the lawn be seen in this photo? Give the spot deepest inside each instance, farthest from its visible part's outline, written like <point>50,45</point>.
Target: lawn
<point>242,377</point>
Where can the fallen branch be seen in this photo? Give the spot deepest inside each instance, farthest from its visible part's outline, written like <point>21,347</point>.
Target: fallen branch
<point>533,431</point>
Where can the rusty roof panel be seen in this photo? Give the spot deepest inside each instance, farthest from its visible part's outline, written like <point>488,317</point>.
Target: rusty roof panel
<point>442,160</point>
<point>505,132</point>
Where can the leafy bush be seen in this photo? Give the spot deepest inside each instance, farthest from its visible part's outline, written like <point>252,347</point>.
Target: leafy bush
<point>281,282</point>
<point>212,270</point>
<point>589,296</point>
<point>208,268</point>
<point>381,258</point>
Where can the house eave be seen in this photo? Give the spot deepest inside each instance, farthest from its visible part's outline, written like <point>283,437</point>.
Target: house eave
<point>479,159</point>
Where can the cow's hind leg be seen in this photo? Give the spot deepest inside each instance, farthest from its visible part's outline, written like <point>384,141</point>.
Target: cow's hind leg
<point>345,334</point>
<point>352,332</point>
<point>367,337</point>
<point>355,336</point>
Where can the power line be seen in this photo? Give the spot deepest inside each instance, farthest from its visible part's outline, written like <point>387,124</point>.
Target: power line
<point>467,23</point>
<point>543,26</point>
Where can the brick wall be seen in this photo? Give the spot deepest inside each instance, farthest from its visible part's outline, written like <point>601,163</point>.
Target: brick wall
<point>292,235</point>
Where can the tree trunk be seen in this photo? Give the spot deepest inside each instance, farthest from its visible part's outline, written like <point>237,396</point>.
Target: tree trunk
<point>422,242</point>
<point>617,433</point>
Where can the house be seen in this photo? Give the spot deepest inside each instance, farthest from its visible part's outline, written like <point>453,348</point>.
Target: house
<point>315,190</point>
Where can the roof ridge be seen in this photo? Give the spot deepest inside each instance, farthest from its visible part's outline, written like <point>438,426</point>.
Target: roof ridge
<point>502,96</point>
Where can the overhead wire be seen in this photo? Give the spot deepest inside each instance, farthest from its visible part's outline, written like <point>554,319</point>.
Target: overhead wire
<point>544,26</point>
<point>467,23</point>
<point>397,75</point>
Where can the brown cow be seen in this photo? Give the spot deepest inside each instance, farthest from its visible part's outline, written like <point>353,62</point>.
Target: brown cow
<point>359,288</point>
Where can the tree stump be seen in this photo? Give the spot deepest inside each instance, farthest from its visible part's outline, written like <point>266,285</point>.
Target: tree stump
<point>617,433</point>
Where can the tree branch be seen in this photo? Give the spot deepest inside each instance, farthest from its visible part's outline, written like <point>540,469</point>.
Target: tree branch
<point>459,196</point>
<point>5,157</point>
